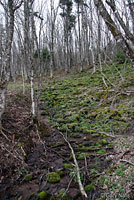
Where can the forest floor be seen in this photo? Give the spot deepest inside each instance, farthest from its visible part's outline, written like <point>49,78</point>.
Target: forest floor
<point>95,113</point>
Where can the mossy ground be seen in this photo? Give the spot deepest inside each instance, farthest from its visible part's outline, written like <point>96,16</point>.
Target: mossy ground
<point>87,111</point>
<point>82,103</point>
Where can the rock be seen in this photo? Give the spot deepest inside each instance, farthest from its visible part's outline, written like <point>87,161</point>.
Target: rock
<point>42,195</point>
<point>53,177</point>
<point>28,177</point>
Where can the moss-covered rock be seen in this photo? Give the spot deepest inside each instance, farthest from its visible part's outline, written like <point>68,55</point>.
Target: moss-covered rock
<point>95,135</point>
<point>53,177</point>
<point>103,141</point>
<point>28,177</point>
<point>43,195</point>
<point>68,166</point>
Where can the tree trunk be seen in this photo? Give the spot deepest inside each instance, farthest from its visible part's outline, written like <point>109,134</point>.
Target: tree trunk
<point>126,42</point>
<point>3,88</point>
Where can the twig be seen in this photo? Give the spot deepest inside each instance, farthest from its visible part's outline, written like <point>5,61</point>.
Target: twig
<point>114,98</point>
<point>5,136</point>
<point>127,161</point>
<point>23,151</point>
<point>77,168</point>
<point>67,188</point>
<point>40,139</point>
<point>86,166</point>
<point>6,130</point>
<point>18,158</point>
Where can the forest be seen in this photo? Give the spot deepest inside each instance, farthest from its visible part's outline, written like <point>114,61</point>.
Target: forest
<point>66,99</point>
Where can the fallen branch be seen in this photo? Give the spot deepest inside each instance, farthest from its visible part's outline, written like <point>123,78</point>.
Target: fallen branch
<point>67,188</point>
<point>127,161</point>
<point>77,168</point>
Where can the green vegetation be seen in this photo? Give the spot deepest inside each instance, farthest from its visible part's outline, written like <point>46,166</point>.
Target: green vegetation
<point>82,104</point>
<point>82,107</point>
<point>90,187</point>
<point>28,177</point>
<point>53,177</point>
<point>120,56</point>
<point>68,166</point>
<point>42,195</point>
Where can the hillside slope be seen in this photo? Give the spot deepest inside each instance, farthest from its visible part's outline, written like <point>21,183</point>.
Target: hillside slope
<point>96,114</point>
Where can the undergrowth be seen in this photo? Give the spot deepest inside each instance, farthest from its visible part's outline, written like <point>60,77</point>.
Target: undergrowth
<point>82,103</point>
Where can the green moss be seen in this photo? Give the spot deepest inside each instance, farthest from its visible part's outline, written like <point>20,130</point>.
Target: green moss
<point>89,148</point>
<point>60,120</point>
<point>110,146</point>
<point>73,118</point>
<point>86,130</point>
<point>75,135</point>
<point>93,171</point>
<point>103,141</point>
<point>90,187</point>
<point>28,177</point>
<point>101,198</point>
<point>63,128</point>
<point>53,177</point>
<point>95,135</point>
<point>60,172</point>
<point>72,125</point>
<point>81,156</point>
<point>58,144</point>
<point>104,135</point>
<point>102,151</point>
<point>42,195</point>
<point>68,166</point>
<point>120,172</point>
<point>92,115</point>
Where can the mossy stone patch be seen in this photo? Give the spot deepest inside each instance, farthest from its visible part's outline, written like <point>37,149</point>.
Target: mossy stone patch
<point>43,195</point>
<point>28,177</point>
<point>68,166</point>
<point>95,135</point>
<point>53,177</point>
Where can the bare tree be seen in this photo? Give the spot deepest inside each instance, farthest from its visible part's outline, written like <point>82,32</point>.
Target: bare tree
<point>128,38</point>
<point>9,7</point>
